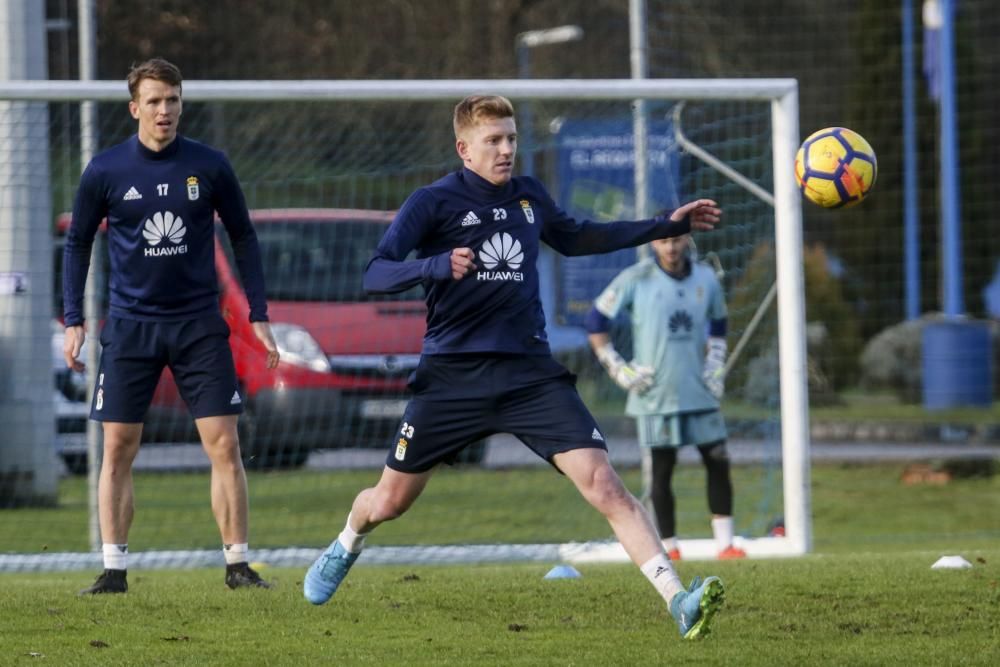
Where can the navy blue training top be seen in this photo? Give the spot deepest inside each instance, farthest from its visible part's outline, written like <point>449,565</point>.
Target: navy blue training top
<point>160,208</point>
<point>497,308</point>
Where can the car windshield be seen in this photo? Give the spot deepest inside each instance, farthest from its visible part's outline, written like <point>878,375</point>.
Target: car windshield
<point>321,260</point>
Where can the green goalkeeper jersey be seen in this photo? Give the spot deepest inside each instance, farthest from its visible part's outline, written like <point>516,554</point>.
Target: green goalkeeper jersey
<point>670,318</point>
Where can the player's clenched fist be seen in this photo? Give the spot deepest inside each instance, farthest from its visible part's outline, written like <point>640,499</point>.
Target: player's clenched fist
<point>461,262</point>
<point>72,345</point>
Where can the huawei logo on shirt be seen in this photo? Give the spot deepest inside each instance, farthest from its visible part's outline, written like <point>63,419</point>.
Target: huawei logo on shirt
<point>501,248</point>
<point>163,227</point>
<point>680,322</point>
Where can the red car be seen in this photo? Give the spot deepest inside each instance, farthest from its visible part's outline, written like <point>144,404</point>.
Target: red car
<point>345,356</point>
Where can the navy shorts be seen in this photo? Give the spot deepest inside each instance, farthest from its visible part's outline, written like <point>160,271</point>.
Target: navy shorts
<point>460,399</point>
<point>134,353</point>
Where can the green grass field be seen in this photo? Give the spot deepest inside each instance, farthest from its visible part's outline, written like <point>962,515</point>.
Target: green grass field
<point>854,507</point>
<point>866,597</point>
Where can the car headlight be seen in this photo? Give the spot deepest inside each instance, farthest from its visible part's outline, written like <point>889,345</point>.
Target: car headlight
<point>298,347</point>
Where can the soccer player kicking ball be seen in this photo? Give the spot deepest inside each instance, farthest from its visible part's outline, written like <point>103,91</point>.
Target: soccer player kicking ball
<point>486,366</point>
<point>159,193</point>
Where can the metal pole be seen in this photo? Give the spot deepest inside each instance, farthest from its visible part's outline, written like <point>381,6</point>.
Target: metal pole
<point>951,200</point>
<point>367,90</point>
<point>640,133</point>
<point>28,474</point>
<point>791,325</point>
<point>95,283</point>
<point>523,44</point>
<point>525,132</point>
<point>911,216</point>
<point>640,125</point>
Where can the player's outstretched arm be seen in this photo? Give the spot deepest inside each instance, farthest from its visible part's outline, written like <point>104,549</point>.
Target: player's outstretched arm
<point>72,344</point>
<point>704,214</point>
<point>570,237</point>
<point>263,332</point>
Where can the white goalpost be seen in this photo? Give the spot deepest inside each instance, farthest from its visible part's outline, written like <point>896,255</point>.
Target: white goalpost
<point>780,96</point>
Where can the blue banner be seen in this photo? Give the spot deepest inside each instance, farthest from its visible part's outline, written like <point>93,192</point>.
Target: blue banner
<point>597,182</point>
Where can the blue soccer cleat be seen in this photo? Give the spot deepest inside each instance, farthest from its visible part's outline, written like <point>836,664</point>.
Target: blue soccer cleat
<point>694,608</point>
<point>325,575</point>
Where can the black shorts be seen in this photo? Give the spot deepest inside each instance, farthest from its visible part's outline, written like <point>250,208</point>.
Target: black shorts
<point>134,353</point>
<point>459,399</point>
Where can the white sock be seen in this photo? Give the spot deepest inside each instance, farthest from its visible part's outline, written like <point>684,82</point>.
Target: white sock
<point>670,543</point>
<point>115,556</point>
<point>722,529</point>
<point>662,575</point>
<point>350,540</point>
<point>235,553</point>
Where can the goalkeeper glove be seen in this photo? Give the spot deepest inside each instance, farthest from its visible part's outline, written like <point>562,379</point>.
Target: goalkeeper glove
<point>627,375</point>
<point>713,373</point>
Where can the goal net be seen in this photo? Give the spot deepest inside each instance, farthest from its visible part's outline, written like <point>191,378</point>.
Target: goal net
<point>323,165</point>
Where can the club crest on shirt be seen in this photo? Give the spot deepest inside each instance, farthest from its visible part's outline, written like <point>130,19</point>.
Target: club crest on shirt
<point>192,187</point>
<point>528,213</point>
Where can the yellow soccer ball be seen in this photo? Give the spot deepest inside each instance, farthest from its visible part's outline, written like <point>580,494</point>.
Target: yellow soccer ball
<point>835,167</point>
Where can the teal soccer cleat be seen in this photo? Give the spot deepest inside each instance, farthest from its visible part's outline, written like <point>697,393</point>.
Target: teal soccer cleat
<point>694,608</point>
<point>325,575</point>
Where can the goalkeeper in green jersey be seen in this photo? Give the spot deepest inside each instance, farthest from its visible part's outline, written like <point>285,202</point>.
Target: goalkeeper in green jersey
<point>676,378</point>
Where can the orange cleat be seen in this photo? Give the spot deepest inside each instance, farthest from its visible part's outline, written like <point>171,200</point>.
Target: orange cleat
<point>674,555</point>
<point>732,553</point>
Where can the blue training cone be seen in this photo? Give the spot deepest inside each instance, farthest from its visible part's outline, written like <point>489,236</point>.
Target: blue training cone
<point>563,572</point>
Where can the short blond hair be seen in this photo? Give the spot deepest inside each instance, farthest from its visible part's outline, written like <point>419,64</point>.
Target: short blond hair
<point>476,108</point>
